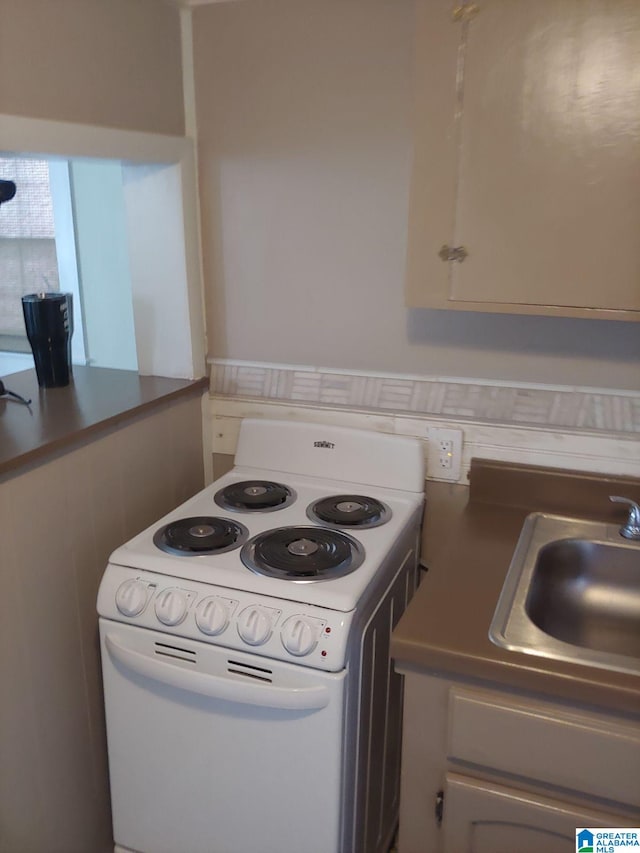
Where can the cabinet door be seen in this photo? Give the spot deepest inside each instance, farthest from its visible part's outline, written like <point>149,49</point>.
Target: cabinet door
<point>546,182</point>
<point>487,818</point>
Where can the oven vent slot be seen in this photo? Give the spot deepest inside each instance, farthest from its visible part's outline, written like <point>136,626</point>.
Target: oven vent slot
<point>258,672</point>
<point>177,652</point>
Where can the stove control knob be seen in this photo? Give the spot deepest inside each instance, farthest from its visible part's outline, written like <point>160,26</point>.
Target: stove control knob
<point>171,606</point>
<point>300,635</point>
<point>131,597</point>
<point>254,625</point>
<point>212,615</point>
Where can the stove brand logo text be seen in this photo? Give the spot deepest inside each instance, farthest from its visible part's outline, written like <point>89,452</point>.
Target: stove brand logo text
<point>329,445</point>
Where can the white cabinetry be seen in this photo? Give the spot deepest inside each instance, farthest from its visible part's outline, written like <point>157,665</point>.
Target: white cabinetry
<point>483,817</point>
<point>490,770</point>
<point>527,155</point>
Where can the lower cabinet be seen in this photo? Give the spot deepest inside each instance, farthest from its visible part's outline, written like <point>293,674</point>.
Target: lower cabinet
<point>491,770</point>
<point>481,817</point>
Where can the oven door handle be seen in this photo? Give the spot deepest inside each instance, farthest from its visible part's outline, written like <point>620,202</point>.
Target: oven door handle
<point>219,687</point>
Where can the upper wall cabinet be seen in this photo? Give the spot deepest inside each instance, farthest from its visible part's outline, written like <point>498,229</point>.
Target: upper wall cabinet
<point>525,193</point>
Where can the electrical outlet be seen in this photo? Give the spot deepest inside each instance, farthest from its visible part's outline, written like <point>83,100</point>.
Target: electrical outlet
<point>444,454</point>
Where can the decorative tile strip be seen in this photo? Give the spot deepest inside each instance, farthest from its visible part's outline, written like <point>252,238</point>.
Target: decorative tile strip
<point>591,410</point>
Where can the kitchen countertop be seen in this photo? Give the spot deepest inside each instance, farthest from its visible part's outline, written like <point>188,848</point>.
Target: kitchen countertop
<point>469,538</point>
<point>57,418</point>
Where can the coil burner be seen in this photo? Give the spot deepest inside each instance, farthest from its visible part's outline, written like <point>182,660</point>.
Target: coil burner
<point>349,511</point>
<point>254,496</point>
<point>303,554</point>
<point>203,534</point>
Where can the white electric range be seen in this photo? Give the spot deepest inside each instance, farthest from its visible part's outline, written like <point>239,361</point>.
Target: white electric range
<point>249,695</point>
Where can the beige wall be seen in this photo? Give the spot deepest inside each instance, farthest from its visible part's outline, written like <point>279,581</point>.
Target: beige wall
<point>304,113</point>
<point>115,63</point>
<point>58,524</point>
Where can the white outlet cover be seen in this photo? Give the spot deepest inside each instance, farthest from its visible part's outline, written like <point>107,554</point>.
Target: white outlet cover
<point>436,470</point>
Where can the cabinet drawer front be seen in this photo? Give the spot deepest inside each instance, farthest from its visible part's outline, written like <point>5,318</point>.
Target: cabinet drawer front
<point>587,753</point>
<point>481,817</point>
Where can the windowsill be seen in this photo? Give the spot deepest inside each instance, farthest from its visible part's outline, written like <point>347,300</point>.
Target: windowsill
<point>14,362</point>
<point>58,418</point>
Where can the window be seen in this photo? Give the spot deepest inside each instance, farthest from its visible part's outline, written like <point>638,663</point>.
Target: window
<point>28,259</point>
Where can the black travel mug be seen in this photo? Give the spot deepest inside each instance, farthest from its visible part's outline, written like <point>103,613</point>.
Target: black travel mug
<point>48,318</point>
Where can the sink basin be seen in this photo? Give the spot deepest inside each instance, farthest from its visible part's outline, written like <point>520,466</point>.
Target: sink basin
<point>572,593</point>
<point>588,594</point>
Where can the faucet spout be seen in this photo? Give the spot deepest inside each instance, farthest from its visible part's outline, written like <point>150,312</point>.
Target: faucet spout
<point>630,530</point>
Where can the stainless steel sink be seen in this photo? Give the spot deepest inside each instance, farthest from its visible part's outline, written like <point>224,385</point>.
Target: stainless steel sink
<point>572,593</point>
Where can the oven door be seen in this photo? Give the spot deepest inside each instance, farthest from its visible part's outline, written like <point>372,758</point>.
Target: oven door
<point>215,751</point>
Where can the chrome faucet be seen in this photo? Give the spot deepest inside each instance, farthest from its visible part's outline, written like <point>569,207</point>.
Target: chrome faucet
<point>630,530</point>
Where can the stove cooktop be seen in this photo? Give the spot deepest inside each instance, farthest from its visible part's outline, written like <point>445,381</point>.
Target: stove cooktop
<point>242,535</point>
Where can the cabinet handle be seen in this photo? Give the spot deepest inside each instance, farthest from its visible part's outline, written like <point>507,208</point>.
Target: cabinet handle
<point>453,253</point>
<point>439,807</point>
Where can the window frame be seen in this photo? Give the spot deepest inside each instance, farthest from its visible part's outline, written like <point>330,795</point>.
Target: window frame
<point>167,280</point>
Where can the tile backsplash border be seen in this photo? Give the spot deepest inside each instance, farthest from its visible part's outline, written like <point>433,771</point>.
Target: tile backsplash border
<point>577,409</point>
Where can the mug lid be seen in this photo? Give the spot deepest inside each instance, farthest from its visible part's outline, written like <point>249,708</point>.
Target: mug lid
<point>40,297</point>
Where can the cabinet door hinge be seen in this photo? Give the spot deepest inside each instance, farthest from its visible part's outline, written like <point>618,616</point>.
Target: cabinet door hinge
<point>439,807</point>
<point>463,14</point>
<point>453,253</point>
